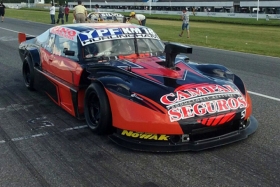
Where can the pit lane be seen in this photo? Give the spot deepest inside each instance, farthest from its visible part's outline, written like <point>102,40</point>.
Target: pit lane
<point>42,145</point>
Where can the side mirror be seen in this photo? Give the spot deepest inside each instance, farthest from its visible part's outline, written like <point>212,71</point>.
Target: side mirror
<point>126,19</point>
<point>172,50</point>
<point>68,52</point>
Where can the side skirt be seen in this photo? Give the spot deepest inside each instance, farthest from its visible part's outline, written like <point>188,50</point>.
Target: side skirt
<point>61,92</point>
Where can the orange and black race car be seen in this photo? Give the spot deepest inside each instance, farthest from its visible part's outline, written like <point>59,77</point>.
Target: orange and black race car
<point>146,93</point>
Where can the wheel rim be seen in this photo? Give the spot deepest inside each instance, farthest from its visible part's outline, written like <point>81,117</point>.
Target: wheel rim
<point>27,74</point>
<point>94,110</point>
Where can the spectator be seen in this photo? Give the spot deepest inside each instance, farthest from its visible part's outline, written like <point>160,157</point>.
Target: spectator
<point>185,25</point>
<point>52,13</point>
<point>80,13</point>
<point>2,10</point>
<point>139,17</point>
<point>193,11</point>
<point>96,8</point>
<point>66,12</point>
<point>60,14</point>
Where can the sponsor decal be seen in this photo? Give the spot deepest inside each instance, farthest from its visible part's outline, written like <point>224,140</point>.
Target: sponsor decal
<point>108,14</point>
<point>64,32</point>
<point>146,136</point>
<point>243,114</point>
<point>253,15</point>
<point>97,35</point>
<point>211,14</point>
<point>231,15</point>
<point>202,100</point>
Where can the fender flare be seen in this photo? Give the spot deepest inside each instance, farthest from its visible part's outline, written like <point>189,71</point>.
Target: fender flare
<point>34,54</point>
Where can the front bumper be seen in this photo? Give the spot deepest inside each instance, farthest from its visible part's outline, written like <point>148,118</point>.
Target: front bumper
<point>167,146</point>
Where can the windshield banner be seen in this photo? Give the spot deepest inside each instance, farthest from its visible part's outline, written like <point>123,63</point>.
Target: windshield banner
<point>99,35</point>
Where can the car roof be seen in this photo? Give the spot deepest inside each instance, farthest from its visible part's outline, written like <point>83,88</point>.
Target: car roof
<point>82,27</point>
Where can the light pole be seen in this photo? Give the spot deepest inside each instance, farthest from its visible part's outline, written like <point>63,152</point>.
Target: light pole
<point>90,5</point>
<point>258,10</point>
<point>150,7</point>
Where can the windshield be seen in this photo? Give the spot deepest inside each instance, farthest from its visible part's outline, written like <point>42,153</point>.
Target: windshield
<point>122,47</point>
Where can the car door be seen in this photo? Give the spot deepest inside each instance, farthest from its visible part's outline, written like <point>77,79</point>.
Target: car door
<point>64,72</point>
<point>63,66</point>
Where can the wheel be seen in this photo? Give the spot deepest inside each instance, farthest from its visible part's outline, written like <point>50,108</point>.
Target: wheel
<point>28,73</point>
<point>97,109</point>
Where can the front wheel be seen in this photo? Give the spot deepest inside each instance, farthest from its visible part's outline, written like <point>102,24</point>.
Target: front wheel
<point>97,109</point>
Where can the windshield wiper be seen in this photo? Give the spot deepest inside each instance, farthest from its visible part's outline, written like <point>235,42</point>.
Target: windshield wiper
<point>136,45</point>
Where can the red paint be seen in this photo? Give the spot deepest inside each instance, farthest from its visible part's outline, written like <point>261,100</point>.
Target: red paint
<point>57,68</point>
<point>142,119</point>
<point>62,67</point>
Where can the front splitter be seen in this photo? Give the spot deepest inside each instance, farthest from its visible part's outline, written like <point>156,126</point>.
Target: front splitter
<point>166,146</point>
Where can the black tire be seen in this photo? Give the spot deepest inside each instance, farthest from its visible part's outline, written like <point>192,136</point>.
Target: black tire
<point>97,109</point>
<point>28,73</point>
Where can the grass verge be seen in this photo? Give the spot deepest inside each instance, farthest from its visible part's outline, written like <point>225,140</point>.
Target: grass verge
<point>244,35</point>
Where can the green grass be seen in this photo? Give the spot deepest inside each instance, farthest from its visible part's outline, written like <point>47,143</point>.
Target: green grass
<point>244,35</point>
<point>240,21</point>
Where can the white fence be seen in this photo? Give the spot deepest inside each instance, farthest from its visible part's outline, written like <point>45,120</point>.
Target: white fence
<point>209,14</point>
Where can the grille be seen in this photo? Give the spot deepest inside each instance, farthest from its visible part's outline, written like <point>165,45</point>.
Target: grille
<point>210,132</point>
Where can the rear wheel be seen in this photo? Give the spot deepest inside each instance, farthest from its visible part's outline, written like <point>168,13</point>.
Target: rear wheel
<point>28,73</point>
<point>97,109</point>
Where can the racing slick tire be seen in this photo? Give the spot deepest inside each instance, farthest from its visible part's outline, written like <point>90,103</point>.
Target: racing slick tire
<point>97,109</point>
<point>28,73</point>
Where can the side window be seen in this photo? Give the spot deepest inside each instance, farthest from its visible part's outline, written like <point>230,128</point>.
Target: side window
<point>71,46</point>
<point>57,48</point>
<point>50,43</point>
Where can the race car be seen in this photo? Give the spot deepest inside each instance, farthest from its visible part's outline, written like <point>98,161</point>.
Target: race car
<point>144,93</point>
<point>95,17</point>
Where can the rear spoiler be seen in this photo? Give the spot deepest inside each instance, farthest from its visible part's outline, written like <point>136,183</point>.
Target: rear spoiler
<point>21,37</point>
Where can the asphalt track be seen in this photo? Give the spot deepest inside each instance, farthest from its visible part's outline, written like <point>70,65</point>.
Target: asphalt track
<point>42,145</point>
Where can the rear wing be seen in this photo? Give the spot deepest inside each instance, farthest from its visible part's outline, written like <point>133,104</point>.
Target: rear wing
<point>22,37</point>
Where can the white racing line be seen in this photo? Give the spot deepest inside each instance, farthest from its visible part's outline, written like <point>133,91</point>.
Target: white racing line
<point>85,126</point>
<point>43,134</point>
<point>14,31</point>
<point>265,96</point>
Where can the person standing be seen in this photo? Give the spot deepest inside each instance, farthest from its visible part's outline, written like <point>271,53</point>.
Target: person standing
<point>80,13</point>
<point>60,14</point>
<point>52,13</point>
<point>185,25</point>
<point>2,11</point>
<point>139,17</point>
<point>66,12</point>
<point>96,8</point>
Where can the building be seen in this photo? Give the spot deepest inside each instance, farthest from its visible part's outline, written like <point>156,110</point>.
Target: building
<point>228,6</point>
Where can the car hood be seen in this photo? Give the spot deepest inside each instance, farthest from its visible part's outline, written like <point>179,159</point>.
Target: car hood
<point>188,90</point>
<point>182,74</point>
